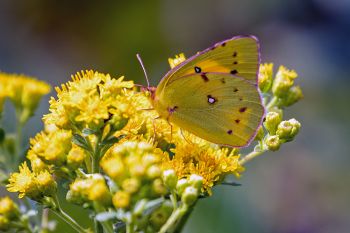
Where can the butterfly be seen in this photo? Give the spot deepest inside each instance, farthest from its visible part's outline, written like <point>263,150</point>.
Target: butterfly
<point>214,94</point>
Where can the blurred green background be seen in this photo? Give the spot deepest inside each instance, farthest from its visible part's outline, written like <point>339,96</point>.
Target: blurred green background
<point>302,188</point>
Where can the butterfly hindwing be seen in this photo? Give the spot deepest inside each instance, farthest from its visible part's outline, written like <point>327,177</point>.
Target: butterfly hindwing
<point>218,107</point>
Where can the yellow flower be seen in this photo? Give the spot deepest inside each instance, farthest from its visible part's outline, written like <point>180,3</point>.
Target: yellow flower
<point>46,183</point>
<point>90,100</point>
<point>265,76</point>
<point>121,199</point>
<point>24,92</point>
<point>99,192</point>
<point>23,182</point>
<point>203,159</point>
<point>283,82</point>
<point>8,208</point>
<point>177,60</point>
<point>76,156</point>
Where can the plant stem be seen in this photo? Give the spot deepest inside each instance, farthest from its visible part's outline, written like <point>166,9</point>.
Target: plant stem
<point>250,156</point>
<point>68,219</point>
<point>45,219</point>
<point>17,155</point>
<point>174,217</point>
<point>272,103</point>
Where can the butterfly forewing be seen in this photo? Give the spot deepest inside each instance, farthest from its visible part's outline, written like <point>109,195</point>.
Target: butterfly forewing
<point>218,107</point>
<point>239,56</point>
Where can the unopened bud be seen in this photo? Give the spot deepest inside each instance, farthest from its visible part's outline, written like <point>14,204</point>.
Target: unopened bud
<point>273,143</point>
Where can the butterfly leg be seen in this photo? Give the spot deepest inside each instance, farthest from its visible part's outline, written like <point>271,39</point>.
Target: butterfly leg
<point>188,141</point>
<point>154,129</point>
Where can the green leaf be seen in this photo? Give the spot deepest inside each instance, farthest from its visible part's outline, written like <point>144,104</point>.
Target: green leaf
<point>88,131</point>
<point>81,141</point>
<point>105,216</point>
<point>112,140</point>
<point>152,205</point>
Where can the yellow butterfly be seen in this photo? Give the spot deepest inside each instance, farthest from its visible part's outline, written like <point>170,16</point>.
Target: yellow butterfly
<point>214,94</point>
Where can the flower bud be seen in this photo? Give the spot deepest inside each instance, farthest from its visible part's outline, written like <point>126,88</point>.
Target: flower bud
<point>154,171</point>
<point>121,199</point>
<point>131,185</point>
<point>271,122</point>
<point>189,196</point>
<point>8,208</point>
<point>158,187</point>
<point>170,179</point>
<point>265,77</point>
<point>161,215</point>
<point>196,181</point>
<point>75,157</point>
<point>287,130</point>
<point>273,143</point>
<point>4,223</point>
<point>181,185</point>
<point>283,82</point>
<point>294,95</point>
<point>99,192</point>
<point>177,60</point>
<point>46,184</point>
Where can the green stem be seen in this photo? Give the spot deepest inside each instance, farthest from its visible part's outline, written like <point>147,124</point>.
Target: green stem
<point>45,219</point>
<point>272,103</point>
<point>68,219</point>
<point>250,156</point>
<point>17,155</point>
<point>96,155</point>
<point>107,225</point>
<point>172,220</point>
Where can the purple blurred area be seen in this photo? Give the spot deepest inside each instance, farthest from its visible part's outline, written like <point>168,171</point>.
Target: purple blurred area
<point>302,188</point>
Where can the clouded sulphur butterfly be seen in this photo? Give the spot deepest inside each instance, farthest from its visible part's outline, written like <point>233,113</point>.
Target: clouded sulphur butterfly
<point>214,94</point>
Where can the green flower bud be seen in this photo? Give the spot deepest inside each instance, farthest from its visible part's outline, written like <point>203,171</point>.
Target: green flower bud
<point>272,121</point>
<point>265,76</point>
<point>288,129</point>
<point>161,215</point>
<point>118,122</point>
<point>170,179</point>
<point>294,95</point>
<point>181,185</point>
<point>196,181</point>
<point>189,196</point>
<point>4,223</point>
<point>273,143</point>
<point>283,82</point>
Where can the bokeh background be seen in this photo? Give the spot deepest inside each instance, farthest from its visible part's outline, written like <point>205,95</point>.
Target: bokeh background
<point>302,188</point>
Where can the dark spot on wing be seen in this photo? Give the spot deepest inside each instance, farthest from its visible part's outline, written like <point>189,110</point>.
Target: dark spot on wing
<point>173,109</point>
<point>242,109</point>
<point>234,54</point>
<point>235,90</point>
<point>211,99</point>
<point>229,131</point>
<point>223,44</point>
<point>204,77</point>
<point>234,72</point>
<point>223,80</point>
<point>237,121</point>
<point>197,69</point>
<point>240,98</point>
<point>235,62</point>
<point>212,48</point>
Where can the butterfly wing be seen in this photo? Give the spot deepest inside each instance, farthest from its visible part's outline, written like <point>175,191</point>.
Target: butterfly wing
<point>218,107</point>
<point>239,56</point>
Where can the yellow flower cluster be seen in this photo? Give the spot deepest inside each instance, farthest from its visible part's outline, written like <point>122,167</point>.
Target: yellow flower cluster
<point>34,185</point>
<point>9,212</point>
<point>89,101</point>
<point>134,166</point>
<point>23,91</point>
<point>100,121</point>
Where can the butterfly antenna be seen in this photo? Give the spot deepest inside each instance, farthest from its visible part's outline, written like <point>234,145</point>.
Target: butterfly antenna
<point>143,67</point>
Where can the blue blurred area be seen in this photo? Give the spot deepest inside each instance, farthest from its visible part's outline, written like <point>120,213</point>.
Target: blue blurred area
<point>304,187</point>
